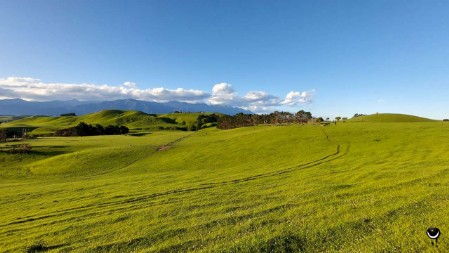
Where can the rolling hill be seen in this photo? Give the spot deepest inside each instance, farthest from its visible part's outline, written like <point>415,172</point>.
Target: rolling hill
<point>389,117</point>
<point>134,120</point>
<point>55,108</point>
<point>353,187</point>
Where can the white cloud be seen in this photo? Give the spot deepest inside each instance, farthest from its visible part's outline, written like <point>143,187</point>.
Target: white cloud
<point>295,98</point>
<point>257,101</point>
<point>222,94</point>
<point>129,85</point>
<point>35,89</point>
<point>257,96</point>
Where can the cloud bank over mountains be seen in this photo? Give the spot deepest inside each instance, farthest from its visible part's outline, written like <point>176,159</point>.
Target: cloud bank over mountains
<point>222,94</point>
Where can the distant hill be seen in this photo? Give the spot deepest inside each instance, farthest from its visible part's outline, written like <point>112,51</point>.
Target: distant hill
<point>389,117</point>
<point>55,108</point>
<point>134,120</point>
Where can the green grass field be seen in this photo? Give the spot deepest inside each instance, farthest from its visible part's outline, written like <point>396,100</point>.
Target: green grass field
<point>6,118</point>
<point>350,187</point>
<point>134,120</point>
<point>390,117</point>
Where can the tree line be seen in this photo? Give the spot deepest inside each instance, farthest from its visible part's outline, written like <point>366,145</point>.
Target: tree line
<point>9,133</point>
<point>276,118</point>
<point>84,129</point>
<point>5,134</point>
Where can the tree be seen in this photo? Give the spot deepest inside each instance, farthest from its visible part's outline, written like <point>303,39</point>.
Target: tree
<point>303,116</point>
<point>204,119</point>
<point>3,136</point>
<point>82,129</point>
<point>124,130</point>
<point>319,119</point>
<point>256,119</point>
<point>68,114</point>
<point>100,129</point>
<point>338,118</point>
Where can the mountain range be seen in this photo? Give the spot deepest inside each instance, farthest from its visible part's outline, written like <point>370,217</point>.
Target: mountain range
<point>57,107</point>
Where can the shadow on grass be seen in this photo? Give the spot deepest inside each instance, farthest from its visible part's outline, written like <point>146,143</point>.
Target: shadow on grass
<point>40,247</point>
<point>48,153</point>
<point>138,134</point>
<point>144,242</point>
<point>168,120</point>
<point>284,243</point>
<point>37,150</point>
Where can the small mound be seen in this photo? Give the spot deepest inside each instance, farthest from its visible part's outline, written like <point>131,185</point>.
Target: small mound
<point>390,117</point>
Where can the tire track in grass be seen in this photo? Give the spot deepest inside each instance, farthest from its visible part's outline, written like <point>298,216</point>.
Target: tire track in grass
<point>160,148</point>
<point>170,144</point>
<point>328,158</point>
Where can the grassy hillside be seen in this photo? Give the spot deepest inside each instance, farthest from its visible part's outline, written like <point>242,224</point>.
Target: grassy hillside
<point>187,119</point>
<point>134,120</point>
<point>389,117</point>
<point>182,118</point>
<point>7,118</point>
<point>365,187</point>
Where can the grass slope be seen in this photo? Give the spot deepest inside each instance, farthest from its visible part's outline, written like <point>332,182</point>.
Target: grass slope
<point>187,119</point>
<point>389,117</point>
<point>182,118</point>
<point>365,187</point>
<point>134,120</point>
<point>7,118</point>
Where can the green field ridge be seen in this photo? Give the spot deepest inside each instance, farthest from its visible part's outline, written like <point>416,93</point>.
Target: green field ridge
<point>134,120</point>
<point>389,117</point>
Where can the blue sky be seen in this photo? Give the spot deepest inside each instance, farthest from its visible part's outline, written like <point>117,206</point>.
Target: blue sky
<point>334,58</point>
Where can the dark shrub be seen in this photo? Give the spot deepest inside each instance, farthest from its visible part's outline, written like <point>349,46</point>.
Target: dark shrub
<point>83,129</point>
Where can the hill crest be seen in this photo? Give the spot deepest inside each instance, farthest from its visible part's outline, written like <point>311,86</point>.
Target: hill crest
<point>134,120</point>
<point>21,107</point>
<point>390,117</point>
